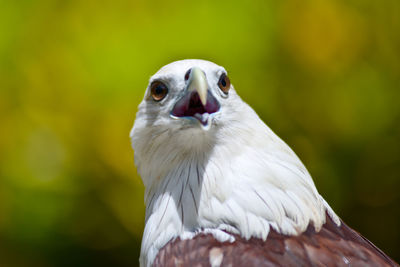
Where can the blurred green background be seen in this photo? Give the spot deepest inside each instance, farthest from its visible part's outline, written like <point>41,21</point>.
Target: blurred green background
<point>324,75</point>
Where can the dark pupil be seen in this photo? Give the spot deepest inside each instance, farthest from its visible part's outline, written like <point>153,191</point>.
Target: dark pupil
<point>159,90</point>
<point>223,82</point>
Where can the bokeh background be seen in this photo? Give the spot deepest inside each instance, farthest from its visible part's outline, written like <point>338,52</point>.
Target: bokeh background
<point>324,75</point>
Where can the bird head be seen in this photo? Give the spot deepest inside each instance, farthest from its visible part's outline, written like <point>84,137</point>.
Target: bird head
<point>187,104</point>
<point>188,94</point>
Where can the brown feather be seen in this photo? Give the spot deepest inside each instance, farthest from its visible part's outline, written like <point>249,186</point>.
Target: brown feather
<point>331,246</point>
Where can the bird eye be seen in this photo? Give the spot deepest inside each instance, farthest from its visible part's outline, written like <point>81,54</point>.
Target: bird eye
<point>158,91</point>
<point>224,83</point>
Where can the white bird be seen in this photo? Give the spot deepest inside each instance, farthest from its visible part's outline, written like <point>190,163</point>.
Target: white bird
<point>221,189</point>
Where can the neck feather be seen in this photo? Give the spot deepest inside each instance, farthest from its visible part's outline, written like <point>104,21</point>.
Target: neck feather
<point>239,185</point>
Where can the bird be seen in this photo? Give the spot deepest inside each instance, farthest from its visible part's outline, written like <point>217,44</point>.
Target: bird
<point>222,189</point>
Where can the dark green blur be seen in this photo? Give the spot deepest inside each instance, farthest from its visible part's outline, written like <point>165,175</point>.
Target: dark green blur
<point>324,75</point>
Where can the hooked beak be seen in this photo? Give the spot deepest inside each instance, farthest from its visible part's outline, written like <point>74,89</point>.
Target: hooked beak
<point>198,83</point>
<point>197,102</point>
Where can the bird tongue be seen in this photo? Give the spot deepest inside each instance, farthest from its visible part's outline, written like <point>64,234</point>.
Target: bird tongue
<point>190,106</point>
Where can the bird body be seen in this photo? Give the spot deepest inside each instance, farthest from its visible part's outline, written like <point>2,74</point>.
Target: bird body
<point>219,184</point>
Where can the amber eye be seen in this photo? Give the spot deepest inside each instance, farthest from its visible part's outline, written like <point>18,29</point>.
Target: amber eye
<point>158,91</point>
<point>224,83</point>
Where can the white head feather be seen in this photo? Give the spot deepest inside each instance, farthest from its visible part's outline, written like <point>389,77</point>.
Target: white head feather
<point>234,175</point>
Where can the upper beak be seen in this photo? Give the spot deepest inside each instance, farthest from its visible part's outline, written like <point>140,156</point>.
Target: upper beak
<point>198,82</point>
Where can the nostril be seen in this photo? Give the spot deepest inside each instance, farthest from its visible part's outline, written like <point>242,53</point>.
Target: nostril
<point>187,74</point>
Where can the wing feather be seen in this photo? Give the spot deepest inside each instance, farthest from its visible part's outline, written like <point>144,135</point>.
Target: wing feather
<point>332,246</point>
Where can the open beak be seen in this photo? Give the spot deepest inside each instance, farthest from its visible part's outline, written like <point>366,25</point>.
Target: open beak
<point>197,102</point>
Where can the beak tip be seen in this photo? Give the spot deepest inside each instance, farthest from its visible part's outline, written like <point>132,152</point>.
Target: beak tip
<point>203,99</point>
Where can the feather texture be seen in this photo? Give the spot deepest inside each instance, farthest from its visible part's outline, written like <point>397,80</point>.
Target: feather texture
<point>332,246</point>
